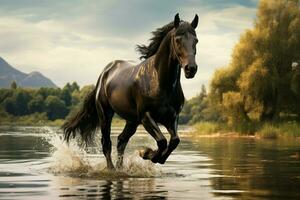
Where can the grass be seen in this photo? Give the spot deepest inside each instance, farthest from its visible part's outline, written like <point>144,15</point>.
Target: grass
<point>261,130</point>
<point>204,128</point>
<point>276,130</point>
<point>268,131</point>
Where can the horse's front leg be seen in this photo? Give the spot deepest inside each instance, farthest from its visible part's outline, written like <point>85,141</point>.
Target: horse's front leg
<point>174,141</point>
<point>153,129</point>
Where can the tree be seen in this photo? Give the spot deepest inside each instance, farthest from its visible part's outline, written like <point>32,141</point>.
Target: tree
<point>258,81</point>
<point>13,85</point>
<point>68,87</point>
<point>36,104</point>
<point>17,103</point>
<point>198,109</point>
<point>45,92</point>
<point>56,108</point>
<point>66,96</point>
<point>74,87</point>
<point>9,105</point>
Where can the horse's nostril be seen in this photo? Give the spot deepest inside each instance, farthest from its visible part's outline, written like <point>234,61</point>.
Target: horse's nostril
<point>193,68</point>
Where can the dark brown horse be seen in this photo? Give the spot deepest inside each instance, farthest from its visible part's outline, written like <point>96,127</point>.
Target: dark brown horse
<point>148,93</point>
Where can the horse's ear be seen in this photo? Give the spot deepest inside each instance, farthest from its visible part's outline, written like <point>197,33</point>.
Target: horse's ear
<point>194,23</point>
<point>176,20</point>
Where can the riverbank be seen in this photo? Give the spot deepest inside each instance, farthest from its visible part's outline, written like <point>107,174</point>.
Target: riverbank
<point>40,119</point>
<point>201,129</point>
<point>255,130</point>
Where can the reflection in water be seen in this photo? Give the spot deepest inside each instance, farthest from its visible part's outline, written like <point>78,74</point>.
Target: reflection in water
<point>112,189</point>
<point>36,166</point>
<point>259,168</point>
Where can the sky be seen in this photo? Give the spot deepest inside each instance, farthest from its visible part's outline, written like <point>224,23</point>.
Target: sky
<point>73,40</point>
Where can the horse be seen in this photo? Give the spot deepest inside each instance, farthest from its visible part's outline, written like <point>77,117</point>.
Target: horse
<point>149,93</point>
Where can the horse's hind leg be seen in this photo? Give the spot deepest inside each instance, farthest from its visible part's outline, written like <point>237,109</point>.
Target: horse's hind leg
<point>123,139</point>
<point>105,125</point>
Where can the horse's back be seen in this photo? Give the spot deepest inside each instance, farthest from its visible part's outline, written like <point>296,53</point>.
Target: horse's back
<point>118,83</point>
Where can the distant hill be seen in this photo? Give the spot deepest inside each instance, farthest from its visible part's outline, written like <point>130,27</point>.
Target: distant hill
<point>8,74</point>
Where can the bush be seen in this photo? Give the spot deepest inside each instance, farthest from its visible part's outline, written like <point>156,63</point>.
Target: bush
<point>269,131</point>
<point>290,129</point>
<point>210,127</point>
<point>246,127</point>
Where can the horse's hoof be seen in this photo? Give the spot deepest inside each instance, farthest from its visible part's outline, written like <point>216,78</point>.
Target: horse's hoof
<point>160,161</point>
<point>155,159</point>
<point>146,154</point>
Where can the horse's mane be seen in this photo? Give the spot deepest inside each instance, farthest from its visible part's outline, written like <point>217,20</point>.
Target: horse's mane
<point>158,36</point>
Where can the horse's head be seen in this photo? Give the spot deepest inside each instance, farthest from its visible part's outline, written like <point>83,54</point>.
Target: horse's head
<point>184,40</point>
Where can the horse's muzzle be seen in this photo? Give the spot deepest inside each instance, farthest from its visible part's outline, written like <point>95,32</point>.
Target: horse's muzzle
<point>190,71</point>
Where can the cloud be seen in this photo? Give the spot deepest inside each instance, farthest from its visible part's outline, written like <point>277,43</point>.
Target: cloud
<point>218,32</point>
<point>59,51</point>
<point>74,41</point>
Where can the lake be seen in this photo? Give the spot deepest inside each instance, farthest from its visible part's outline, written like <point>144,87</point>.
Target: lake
<point>36,164</point>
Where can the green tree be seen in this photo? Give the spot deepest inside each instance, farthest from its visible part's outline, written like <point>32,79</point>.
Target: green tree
<point>198,109</point>
<point>36,104</point>
<point>68,87</point>
<point>13,85</point>
<point>55,107</point>
<point>5,93</point>
<point>45,92</point>
<point>66,96</point>
<point>258,81</point>
<point>75,87</point>
<point>9,105</point>
<point>17,103</point>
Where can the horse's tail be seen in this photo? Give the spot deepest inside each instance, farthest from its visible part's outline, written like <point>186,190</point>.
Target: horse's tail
<point>85,122</point>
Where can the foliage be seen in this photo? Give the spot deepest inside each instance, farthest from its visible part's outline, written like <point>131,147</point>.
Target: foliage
<point>17,103</point>
<point>268,132</point>
<point>258,92</point>
<point>36,104</point>
<point>289,129</point>
<point>44,104</point>
<point>210,128</point>
<point>262,79</point>
<point>276,130</point>
<point>259,129</point>
<point>199,109</point>
<point>55,107</point>
<point>13,85</point>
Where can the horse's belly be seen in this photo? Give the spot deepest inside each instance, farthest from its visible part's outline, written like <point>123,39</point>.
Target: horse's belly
<point>121,104</point>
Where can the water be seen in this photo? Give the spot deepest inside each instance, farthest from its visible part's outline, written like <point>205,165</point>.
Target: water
<point>36,164</point>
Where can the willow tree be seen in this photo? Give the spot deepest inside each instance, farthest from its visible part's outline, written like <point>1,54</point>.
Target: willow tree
<point>260,77</point>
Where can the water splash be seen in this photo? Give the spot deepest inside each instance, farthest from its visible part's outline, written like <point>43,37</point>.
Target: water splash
<point>73,160</point>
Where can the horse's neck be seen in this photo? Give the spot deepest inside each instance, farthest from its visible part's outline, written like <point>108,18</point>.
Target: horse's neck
<point>167,67</point>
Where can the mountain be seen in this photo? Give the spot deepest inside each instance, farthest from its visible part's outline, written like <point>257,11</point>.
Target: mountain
<point>8,74</point>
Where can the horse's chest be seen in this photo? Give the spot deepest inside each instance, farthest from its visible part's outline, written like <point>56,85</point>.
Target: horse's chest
<point>165,110</point>
<point>147,80</point>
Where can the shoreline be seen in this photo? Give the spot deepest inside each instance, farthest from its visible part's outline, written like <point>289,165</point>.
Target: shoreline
<point>190,132</point>
<point>219,135</point>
